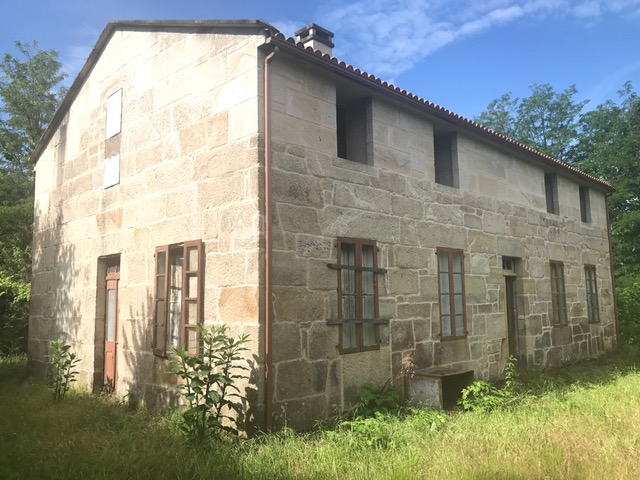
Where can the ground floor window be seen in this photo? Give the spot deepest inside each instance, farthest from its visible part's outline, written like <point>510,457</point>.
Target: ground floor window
<point>451,286</point>
<point>358,315</point>
<point>593,308</point>
<point>558,298</point>
<point>178,297</point>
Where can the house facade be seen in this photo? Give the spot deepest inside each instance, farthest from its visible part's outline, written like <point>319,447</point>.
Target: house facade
<point>217,172</point>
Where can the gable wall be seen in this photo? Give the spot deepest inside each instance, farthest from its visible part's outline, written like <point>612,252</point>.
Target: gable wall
<point>499,209</point>
<point>189,151</point>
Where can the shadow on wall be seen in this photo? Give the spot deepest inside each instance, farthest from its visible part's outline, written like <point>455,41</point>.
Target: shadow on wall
<point>54,313</point>
<point>146,377</point>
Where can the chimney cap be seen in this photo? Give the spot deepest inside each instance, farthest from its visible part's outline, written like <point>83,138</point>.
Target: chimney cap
<point>315,32</point>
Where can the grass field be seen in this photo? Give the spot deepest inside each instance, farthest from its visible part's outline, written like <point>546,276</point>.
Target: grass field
<point>579,422</point>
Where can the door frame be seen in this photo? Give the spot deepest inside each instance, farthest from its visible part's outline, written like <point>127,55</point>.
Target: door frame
<point>112,281</point>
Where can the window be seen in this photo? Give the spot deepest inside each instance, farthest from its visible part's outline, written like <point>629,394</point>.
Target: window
<point>558,299</point>
<point>353,130</point>
<point>114,114</point>
<point>593,309</point>
<point>357,295</point>
<point>585,207</point>
<point>451,285</point>
<point>551,192</point>
<point>111,171</point>
<point>445,155</point>
<point>178,297</point>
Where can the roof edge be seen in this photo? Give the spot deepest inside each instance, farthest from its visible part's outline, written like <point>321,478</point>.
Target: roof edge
<point>259,26</point>
<point>362,77</point>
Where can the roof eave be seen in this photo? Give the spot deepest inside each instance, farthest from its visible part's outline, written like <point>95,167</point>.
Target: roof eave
<point>370,81</point>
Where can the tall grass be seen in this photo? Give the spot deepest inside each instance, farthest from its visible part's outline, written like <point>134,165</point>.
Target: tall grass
<point>581,422</point>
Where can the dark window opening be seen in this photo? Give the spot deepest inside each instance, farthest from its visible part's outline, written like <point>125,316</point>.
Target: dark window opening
<point>445,158</point>
<point>585,206</point>
<point>551,192</point>
<point>354,131</point>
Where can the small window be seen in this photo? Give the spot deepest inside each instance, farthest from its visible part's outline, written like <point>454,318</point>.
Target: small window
<point>558,298</point>
<point>111,171</point>
<point>353,131</point>
<point>445,156</point>
<point>114,114</point>
<point>585,206</point>
<point>593,308</point>
<point>178,297</point>
<point>451,288</point>
<point>551,192</point>
<point>358,295</point>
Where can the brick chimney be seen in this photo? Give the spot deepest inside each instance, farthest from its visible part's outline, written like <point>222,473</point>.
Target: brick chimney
<point>316,37</point>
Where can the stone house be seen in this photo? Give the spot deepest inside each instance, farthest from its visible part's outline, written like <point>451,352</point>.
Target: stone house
<point>215,171</point>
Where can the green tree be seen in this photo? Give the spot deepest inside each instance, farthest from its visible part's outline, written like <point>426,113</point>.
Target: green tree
<point>30,92</point>
<point>546,120</point>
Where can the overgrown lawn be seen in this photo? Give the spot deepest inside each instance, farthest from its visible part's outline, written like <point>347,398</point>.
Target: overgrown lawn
<point>579,422</point>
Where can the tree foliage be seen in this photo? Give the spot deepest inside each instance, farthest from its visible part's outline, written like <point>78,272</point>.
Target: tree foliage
<point>604,142</point>
<point>30,91</point>
<point>546,120</point>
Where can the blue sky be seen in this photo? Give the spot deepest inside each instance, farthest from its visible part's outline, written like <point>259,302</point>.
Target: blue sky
<point>460,54</point>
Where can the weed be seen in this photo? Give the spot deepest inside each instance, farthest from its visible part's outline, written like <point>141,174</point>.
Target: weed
<point>481,395</point>
<point>63,368</point>
<point>214,402</point>
<point>374,398</point>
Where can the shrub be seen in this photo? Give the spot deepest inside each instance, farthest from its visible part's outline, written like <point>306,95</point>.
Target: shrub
<point>14,318</point>
<point>62,371</point>
<point>214,402</point>
<point>374,398</point>
<point>628,295</point>
<point>481,395</point>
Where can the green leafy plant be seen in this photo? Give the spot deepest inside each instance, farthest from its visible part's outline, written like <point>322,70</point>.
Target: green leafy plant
<point>481,395</point>
<point>214,401</point>
<point>371,432</point>
<point>63,370</point>
<point>374,398</point>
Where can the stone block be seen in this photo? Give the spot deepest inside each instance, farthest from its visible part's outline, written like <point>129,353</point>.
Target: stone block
<point>451,351</point>
<point>410,257</point>
<point>314,246</point>
<point>300,414</point>
<point>300,378</point>
<point>322,341</point>
<point>296,219</point>
<point>287,343</point>
<point>561,335</point>
<point>297,304</point>
<point>287,269</point>
<point>401,333</point>
<point>297,189</point>
<point>238,304</point>
<point>403,282</point>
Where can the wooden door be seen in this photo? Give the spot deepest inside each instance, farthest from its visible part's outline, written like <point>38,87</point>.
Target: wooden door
<point>111,326</point>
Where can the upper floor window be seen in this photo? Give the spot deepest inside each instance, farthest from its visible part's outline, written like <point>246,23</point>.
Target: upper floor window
<point>178,297</point>
<point>358,315</point>
<point>558,298</point>
<point>354,130</point>
<point>551,192</point>
<point>114,114</point>
<point>593,308</point>
<point>445,155</point>
<point>585,205</point>
<point>451,286</point>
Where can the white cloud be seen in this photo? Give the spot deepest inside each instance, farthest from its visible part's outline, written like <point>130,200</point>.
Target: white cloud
<point>388,37</point>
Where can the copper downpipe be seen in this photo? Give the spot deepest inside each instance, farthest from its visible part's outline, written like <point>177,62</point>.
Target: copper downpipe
<point>268,374</point>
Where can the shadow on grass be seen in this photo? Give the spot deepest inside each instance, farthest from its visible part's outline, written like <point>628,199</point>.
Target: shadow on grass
<point>598,371</point>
